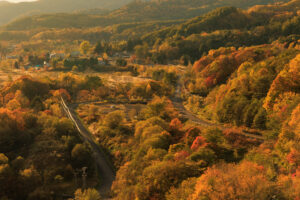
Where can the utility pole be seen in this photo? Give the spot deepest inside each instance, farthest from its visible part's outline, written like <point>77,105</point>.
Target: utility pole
<point>84,175</point>
<point>76,172</point>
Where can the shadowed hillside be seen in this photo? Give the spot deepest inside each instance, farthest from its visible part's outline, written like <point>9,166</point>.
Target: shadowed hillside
<point>10,11</point>
<point>137,11</point>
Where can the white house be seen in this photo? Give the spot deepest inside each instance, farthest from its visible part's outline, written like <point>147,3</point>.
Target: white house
<point>57,55</point>
<point>75,54</point>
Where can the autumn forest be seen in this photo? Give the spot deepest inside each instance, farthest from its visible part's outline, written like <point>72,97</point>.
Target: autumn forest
<point>150,100</point>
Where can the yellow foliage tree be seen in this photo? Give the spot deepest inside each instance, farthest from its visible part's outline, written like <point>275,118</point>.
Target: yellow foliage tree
<point>89,194</point>
<point>85,47</point>
<point>246,181</point>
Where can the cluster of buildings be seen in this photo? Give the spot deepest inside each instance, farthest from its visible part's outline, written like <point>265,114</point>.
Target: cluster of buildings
<point>108,60</point>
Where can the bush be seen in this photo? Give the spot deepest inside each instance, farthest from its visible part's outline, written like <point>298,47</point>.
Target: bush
<point>89,194</point>
<point>157,179</point>
<point>225,182</point>
<point>3,159</point>
<point>121,62</point>
<point>260,119</point>
<point>183,191</point>
<point>206,155</point>
<point>114,119</point>
<point>157,142</point>
<point>81,155</point>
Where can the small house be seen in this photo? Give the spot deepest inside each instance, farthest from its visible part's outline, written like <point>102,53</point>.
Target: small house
<point>101,61</point>
<point>75,54</point>
<point>37,67</point>
<point>12,57</point>
<point>57,55</point>
<point>46,64</point>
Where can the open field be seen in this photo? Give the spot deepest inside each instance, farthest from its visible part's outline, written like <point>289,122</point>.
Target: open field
<point>111,78</point>
<point>101,109</point>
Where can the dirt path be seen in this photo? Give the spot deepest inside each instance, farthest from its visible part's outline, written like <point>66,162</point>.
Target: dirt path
<point>105,168</point>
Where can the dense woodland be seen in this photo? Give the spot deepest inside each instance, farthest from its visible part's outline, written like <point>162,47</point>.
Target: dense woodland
<point>10,11</point>
<point>136,11</point>
<point>198,104</point>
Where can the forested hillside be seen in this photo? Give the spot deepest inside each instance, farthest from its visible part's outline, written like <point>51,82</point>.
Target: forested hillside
<point>227,26</point>
<point>40,148</point>
<point>10,11</point>
<point>181,99</point>
<point>137,11</point>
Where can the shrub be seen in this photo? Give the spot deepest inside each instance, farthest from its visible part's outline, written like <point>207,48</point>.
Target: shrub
<point>114,119</point>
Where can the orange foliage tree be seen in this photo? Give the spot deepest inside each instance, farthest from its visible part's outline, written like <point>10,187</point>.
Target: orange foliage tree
<point>245,181</point>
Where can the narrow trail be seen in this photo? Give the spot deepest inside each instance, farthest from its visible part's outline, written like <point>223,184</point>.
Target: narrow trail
<point>105,168</point>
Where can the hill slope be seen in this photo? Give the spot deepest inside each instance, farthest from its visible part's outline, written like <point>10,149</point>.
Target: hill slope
<point>227,26</point>
<point>10,11</point>
<point>137,11</point>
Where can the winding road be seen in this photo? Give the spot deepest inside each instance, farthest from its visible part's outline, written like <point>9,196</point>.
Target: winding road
<point>178,104</point>
<point>105,168</point>
<point>193,118</point>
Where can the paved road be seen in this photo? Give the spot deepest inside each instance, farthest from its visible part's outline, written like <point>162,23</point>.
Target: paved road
<point>101,102</point>
<point>189,115</point>
<point>105,168</point>
<point>192,117</point>
<point>178,104</point>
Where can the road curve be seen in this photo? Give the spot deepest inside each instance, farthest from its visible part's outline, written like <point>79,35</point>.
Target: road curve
<point>189,115</point>
<point>178,104</point>
<point>105,168</point>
